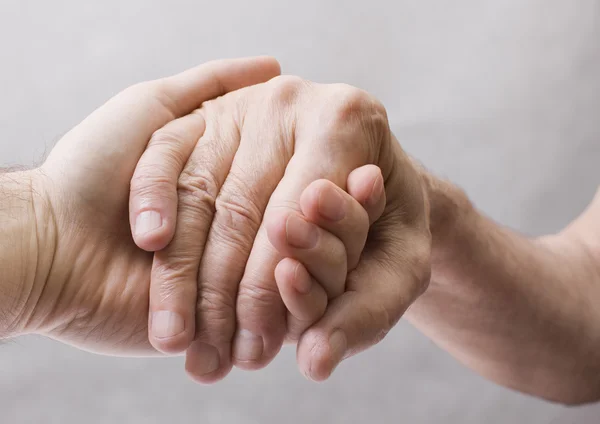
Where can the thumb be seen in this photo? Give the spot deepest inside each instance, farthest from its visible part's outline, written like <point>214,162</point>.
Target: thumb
<point>394,270</point>
<point>376,298</point>
<point>107,145</point>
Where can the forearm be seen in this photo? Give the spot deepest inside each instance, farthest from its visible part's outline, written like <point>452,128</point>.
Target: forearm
<point>20,244</point>
<point>518,311</point>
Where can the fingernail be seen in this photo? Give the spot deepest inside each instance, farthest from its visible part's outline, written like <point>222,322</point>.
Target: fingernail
<point>300,234</point>
<point>331,205</point>
<point>147,221</point>
<point>207,358</point>
<point>302,280</point>
<point>377,191</point>
<point>247,347</point>
<point>166,324</point>
<point>338,345</point>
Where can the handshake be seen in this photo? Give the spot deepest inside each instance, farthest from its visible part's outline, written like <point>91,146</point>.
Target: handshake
<point>220,212</point>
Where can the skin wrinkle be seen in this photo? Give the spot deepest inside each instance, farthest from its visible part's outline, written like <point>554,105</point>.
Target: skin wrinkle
<point>37,248</point>
<point>16,209</point>
<point>231,212</point>
<point>89,174</point>
<point>496,291</point>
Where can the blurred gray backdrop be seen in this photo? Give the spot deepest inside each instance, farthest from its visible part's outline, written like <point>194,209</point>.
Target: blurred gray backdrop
<point>503,97</point>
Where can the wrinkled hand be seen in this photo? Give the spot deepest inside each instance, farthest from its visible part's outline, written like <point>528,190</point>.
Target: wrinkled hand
<point>335,215</point>
<point>96,294</point>
<point>217,208</point>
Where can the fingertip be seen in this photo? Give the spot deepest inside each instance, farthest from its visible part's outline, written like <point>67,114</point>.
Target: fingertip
<point>310,198</point>
<point>305,299</point>
<point>318,355</point>
<point>366,185</point>
<point>151,230</point>
<point>204,364</point>
<point>377,194</point>
<point>153,242</point>
<point>271,64</point>
<point>361,182</point>
<point>292,275</point>
<point>250,355</point>
<point>169,332</point>
<point>276,224</point>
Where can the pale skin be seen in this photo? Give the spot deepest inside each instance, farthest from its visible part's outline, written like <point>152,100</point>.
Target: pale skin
<point>72,272</point>
<point>241,187</point>
<point>519,311</point>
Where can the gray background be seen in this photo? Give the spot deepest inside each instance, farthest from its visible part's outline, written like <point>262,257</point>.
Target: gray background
<point>503,97</point>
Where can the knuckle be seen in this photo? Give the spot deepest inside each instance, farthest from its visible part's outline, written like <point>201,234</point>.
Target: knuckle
<point>285,88</point>
<point>350,104</point>
<point>168,290</point>
<point>213,298</point>
<point>148,185</point>
<point>357,107</point>
<point>198,188</point>
<point>262,306</point>
<point>173,288</point>
<point>378,124</point>
<point>228,232</point>
<point>164,137</point>
<point>258,298</point>
<point>217,311</point>
<point>175,276</point>
<point>168,141</point>
<point>237,218</point>
<point>216,328</point>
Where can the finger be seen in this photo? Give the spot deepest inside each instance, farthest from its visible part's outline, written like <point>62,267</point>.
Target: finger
<point>260,311</point>
<point>323,254</point>
<point>366,186</point>
<point>335,211</point>
<point>259,335</point>
<point>379,292</point>
<point>187,90</point>
<point>128,120</point>
<point>302,295</point>
<point>258,166</point>
<point>174,279</point>
<point>392,273</point>
<point>153,191</point>
<point>337,116</point>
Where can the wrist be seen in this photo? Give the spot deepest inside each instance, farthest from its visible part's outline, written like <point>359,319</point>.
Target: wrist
<point>449,209</point>
<point>451,214</point>
<point>26,232</point>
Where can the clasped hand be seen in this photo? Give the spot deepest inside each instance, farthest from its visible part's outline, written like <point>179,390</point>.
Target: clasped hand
<point>282,210</point>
